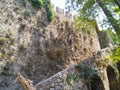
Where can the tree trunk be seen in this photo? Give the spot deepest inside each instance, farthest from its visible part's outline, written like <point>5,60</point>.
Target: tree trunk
<point>117,2</point>
<point>110,17</point>
<point>25,83</point>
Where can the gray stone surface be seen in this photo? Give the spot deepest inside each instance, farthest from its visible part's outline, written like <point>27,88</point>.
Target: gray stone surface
<point>58,81</point>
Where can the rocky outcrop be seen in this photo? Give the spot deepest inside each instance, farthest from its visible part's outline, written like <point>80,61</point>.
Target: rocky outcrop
<point>29,44</point>
<point>104,39</point>
<point>91,74</point>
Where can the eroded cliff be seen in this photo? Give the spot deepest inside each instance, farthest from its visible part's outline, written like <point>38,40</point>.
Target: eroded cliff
<point>37,48</point>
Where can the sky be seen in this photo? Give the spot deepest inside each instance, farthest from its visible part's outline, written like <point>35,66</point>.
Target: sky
<point>59,3</point>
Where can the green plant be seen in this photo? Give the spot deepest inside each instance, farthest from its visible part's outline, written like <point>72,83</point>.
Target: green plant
<point>37,3</point>
<point>115,54</point>
<point>54,54</point>
<point>27,13</point>
<point>89,10</point>
<point>85,72</point>
<point>114,37</point>
<point>25,2</point>
<point>85,25</point>
<point>101,63</point>
<point>76,46</point>
<point>49,11</point>
<point>71,77</point>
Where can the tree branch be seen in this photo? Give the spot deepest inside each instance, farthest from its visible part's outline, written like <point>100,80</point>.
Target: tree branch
<point>26,83</point>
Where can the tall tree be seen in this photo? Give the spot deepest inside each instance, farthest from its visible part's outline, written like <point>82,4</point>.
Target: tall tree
<point>110,17</point>
<point>117,2</point>
<point>91,8</point>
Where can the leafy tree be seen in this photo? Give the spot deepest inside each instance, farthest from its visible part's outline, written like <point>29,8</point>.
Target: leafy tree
<point>37,3</point>
<point>115,55</point>
<point>90,9</point>
<point>114,37</point>
<point>117,2</point>
<point>49,11</point>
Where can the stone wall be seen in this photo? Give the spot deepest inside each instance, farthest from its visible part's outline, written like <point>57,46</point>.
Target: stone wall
<point>36,48</point>
<point>62,12</point>
<point>58,81</point>
<point>104,39</point>
<point>99,75</point>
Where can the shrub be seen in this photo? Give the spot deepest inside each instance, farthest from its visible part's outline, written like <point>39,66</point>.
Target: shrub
<point>85,72</point>
<point>48,7</point>
<point>49,12</point>
<point>54,54</point>
<point>25,2</point>
<point>115,54</point>
<point>37,3</point>
<point>114,37</point>
<point>83,24</point>
<point>27,13</point>
<point>71,77</point>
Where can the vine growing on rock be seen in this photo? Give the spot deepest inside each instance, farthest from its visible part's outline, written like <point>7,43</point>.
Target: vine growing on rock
<point>38,4</point>
<point>35,3</point>
<point>49,11</point>
<point>85,72</point>
<point>82,72</point>
<point>115,54</point>
<point>25,2</point>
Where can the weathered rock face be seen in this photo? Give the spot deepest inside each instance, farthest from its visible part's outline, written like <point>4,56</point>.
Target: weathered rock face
<point>95,73</point>
<point>59,81</point>
<point>104,39</point>
<point>113,77</point>
<point>36,48</point>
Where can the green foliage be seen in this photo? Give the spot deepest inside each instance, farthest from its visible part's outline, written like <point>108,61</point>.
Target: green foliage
<point>83,24</point>
<point>71,77</point>
<point>25,2</point>
<point>49,11</point>
<point>115,55</point>
<point>116,10</point>
<point>76,46</point>
<point>27,13</point>
<point>90,9</point>
<point>85,72</point>
<point>104,38</point>
<point>54,53</point>
<point>37,3</point>
<point>114,37</point>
